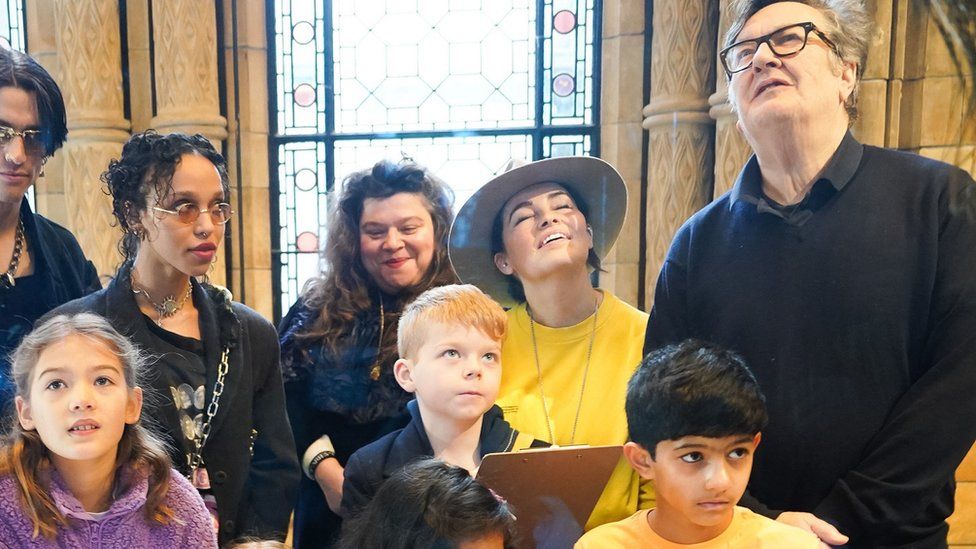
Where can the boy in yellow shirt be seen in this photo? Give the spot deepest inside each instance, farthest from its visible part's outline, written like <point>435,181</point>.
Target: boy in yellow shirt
<point>695,413</point>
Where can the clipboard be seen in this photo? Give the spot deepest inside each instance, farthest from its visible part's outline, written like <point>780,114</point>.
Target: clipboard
<point>553,490</point>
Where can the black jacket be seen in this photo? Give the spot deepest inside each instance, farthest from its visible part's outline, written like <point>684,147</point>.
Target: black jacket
<point>255,490</point>
<point>65,275</point>
<point>369,467</point>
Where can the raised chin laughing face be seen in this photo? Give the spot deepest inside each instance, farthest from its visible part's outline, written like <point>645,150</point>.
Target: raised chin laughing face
<point>543,231</point>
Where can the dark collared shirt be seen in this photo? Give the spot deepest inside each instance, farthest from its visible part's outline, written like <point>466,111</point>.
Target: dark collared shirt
<point>836,174</point>
<point>857,314</point>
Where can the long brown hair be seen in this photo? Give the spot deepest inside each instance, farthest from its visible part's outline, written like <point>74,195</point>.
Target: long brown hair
<point>345,289</point>
<point>23,454</point>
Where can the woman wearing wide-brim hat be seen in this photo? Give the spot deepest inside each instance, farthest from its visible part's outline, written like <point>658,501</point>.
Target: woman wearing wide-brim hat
<point>530,238</point>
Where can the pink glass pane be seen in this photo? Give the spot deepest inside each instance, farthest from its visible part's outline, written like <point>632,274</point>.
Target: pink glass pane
<point>564,21</point>
<point>307,242</point>
<point>304,95</point>
<point>563,85</point>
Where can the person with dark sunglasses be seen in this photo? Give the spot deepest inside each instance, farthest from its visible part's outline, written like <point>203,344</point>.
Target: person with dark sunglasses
<point>41,263</point>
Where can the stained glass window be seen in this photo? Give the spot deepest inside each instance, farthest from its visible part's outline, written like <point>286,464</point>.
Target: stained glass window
<point>12,25</point>
<point>461,86</point>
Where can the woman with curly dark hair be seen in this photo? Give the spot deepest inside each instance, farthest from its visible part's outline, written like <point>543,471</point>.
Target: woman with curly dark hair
<point>220,402</point>
<point>386,244</point>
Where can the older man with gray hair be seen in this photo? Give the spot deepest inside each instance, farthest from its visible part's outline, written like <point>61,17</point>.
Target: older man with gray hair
<point>846,275</point>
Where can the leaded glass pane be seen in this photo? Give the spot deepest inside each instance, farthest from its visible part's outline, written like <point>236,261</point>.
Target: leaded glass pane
<point>566,145</point>
<point>300,67</point>
<point>464,163</point>
<point>460,86</point>
<point>302,211</point>
<point>12,24</point>
<point>416,66</point>
<point>568,62</point>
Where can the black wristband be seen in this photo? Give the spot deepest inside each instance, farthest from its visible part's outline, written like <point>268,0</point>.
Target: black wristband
<point>315,461</point>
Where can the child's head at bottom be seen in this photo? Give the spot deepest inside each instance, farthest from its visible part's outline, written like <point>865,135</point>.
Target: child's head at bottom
<point>430,504</point>
<point>695,413</point>
<point>78,405</point>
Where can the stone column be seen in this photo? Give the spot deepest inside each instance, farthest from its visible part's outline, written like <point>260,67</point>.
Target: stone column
<point>187,93</point>
<point>90,76</point>
<point>731,148</point>
<point>185,51</point>
<point>247,152</point>
<point>49,189</point>
<point>931,117</point>
<point>621,134</point>
<point>681,133</point>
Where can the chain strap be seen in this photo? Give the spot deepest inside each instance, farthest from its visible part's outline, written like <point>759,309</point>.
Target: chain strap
<point>195,459</point>
<point>586,370</point>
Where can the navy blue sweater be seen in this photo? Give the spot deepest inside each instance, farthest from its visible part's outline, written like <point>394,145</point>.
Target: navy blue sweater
<point>857,313</point>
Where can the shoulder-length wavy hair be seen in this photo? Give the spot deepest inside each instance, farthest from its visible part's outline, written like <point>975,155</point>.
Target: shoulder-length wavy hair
<point>146,167</point>
<point>345,289</point>
<point>23,454</point>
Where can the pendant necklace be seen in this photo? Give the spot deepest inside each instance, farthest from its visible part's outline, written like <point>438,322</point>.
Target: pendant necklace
<point>7,279</point>
<point>374,372</point>
<point>168,307</point>
<point>586,369</point>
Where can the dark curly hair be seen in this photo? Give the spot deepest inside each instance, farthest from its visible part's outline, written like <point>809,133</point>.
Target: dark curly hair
<point>345,288</point>
<point>147,164</point>
<point>430,504</point>
<point>19,70</point>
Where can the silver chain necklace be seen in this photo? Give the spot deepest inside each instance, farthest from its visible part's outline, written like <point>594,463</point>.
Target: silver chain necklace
<point>168,307</point>
<point>586,370</point>
<point>7,279</point>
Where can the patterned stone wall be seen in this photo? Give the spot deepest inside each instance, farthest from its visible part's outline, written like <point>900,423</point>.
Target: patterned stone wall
<point>681,151</point>
<point>88,42</point>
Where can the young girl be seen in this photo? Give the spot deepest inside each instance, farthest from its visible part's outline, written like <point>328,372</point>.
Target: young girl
<point>77,469</point>
<point>222,408</point>
<point>430,504</point>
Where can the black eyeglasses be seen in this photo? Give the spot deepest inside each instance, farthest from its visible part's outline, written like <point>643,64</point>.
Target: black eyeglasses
<point>782,42</point>
<point>33,140</point>
<point>189,212</point>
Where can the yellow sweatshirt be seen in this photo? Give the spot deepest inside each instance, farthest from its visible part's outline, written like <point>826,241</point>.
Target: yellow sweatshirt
<point>562,357</point>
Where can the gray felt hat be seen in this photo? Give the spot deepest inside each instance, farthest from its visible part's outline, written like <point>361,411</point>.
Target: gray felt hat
<point>590,180</point>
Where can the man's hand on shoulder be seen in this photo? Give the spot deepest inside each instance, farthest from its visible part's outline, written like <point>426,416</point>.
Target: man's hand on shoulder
<point>828,534</point>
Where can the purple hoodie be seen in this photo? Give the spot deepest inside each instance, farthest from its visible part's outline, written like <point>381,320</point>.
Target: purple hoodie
<point>123,526</point>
